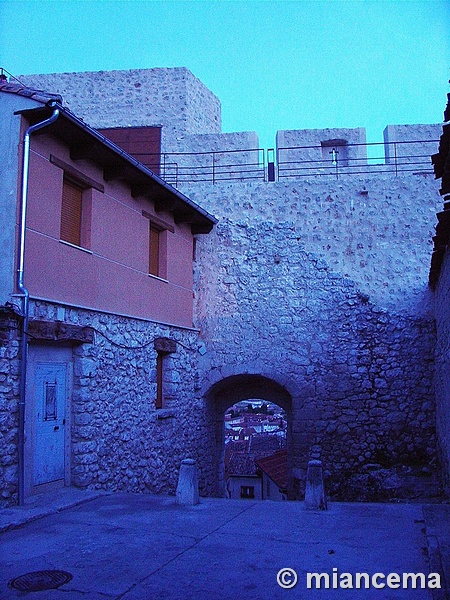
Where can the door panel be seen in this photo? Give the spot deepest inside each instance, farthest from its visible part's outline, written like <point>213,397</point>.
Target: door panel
<point>50,393</point>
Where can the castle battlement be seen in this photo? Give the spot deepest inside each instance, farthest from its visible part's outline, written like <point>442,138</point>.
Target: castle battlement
<point>194,148</point>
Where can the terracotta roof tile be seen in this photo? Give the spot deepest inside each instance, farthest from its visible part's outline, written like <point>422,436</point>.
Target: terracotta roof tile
<point>21,90</point>
<point>276,467</point>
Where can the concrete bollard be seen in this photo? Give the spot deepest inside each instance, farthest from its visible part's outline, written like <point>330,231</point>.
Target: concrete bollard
<point>315,492</point>
<point>187,488</point>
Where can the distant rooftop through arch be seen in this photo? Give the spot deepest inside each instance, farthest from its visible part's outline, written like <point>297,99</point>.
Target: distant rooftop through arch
<point>236,388</point>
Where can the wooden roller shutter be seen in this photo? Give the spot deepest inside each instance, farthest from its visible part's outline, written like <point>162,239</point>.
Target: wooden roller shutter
<point>154,250</point>
<point>71,207</point>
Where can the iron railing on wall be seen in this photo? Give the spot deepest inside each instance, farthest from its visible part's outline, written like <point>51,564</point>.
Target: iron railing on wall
<point>213,167</point>
<point>353,159</point>
<point>296,162</point>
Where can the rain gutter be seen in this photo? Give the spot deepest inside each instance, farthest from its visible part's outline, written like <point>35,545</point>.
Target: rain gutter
<point>24,292</point>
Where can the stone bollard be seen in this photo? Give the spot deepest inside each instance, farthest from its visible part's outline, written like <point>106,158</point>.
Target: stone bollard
<point>315,492</point>
<point>187,488</point>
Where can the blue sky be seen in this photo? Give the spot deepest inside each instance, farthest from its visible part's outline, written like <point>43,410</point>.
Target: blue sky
<point>274,65</point>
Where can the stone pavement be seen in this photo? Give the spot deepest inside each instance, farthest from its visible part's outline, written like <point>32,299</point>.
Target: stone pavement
<point>140,547</point>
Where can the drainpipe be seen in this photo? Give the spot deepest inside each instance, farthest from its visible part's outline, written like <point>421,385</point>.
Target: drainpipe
<point>24,292</point>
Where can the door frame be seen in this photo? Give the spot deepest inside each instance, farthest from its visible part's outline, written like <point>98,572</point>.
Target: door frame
<point>41,354</point>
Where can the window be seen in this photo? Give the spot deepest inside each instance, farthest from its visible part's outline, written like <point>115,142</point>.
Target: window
<point>71,212</point>
<point>76,213</point>
<point>247,491</point>
<point>163,347</point>
<point>159,380</point>
<point>335,151</point>
<point>76,204</point>
<point>157,256</point>
<point>155,250</point>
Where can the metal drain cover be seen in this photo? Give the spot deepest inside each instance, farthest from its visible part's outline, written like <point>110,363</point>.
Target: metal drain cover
<point>40,580</point>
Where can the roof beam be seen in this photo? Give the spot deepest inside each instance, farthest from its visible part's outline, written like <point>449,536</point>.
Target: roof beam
<point>141,189</point>
<point>201,228</point>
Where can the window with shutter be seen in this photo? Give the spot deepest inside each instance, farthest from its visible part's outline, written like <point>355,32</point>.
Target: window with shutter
<point>71,213</point>
<point>154,261</point>
<point>157,247</point>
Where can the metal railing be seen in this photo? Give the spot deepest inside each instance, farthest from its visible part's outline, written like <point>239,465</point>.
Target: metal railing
<point>213,167</point>
<point>294,162</point>
<point>353,159</point>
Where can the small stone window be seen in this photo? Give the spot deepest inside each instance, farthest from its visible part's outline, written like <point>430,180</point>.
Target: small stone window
<point>163,347</point>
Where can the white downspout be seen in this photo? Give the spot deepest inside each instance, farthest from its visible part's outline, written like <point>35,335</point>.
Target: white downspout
<point>24,292</point>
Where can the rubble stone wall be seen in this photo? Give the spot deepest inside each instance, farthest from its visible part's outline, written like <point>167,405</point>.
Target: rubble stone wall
<point>376,230</point>
<point>119,440</point>
<point>173,98</point>
<point>360,376</point>
<point>442,361</point>
<point>411,144</point>
<point>213,157</point>
<point>9,414</point>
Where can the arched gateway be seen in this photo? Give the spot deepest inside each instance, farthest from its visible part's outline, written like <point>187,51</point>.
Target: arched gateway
<point>231,390</point>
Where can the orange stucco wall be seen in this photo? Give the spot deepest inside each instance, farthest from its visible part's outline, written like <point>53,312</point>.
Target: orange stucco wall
<point>112,275</point>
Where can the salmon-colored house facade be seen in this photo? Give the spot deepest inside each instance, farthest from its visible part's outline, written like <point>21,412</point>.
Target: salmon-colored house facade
<point>129,247</point>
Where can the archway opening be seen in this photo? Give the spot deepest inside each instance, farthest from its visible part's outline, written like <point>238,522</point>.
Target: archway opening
<point>258,391</point>
<point>255,457</point>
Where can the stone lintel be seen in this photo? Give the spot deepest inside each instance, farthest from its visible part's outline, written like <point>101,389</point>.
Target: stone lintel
<point>50,331</point>
<point>165,345</point>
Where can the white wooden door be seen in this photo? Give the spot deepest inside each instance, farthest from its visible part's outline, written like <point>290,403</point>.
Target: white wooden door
<point>47,418</point>
<point>50,395</point>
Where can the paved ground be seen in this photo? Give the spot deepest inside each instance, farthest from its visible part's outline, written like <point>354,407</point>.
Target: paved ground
<point>140,547</point>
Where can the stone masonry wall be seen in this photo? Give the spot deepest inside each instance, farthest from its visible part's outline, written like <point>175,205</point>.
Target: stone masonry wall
<point>316,144</point>
<point>360,376</point>
<point>120,441</point>
<point>376,230</point>
<point>401,142</point>
<point>213,157</point>
<point>322,287</point>
<point>442,361</point>
<point>173,98</point>
<point>9,413</point>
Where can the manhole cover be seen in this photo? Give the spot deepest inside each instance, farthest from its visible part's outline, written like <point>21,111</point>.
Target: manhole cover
<point>40,580</point>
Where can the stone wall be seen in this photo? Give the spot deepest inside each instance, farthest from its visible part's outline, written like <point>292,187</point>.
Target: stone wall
<point>376,230</point>
<point>173,98</point>
<point>316,145</point>
<point>411,145</point>
<point>9,413</point>
<point>212,158</point>
<point>119,440</point>
<point>442,362</point>
<point>322,288</point>
<point>360,376</point>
